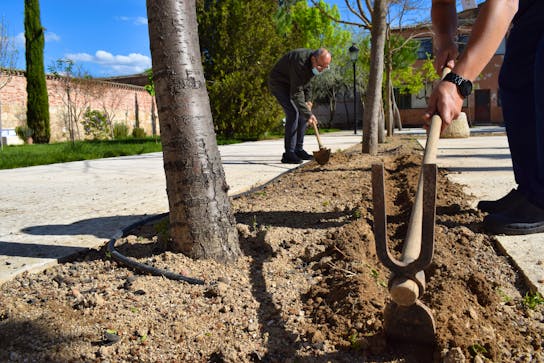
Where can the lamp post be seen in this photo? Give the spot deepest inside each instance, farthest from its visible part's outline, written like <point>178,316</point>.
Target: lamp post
<point>353,53</point>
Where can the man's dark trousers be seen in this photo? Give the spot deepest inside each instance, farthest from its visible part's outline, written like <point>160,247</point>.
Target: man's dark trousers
<point>295,123</point>
<point>521,83</point>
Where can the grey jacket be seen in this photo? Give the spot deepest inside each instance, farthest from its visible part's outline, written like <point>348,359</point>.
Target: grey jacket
<point>292,73</point>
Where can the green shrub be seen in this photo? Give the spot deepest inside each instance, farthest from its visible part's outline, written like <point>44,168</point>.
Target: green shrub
<point>24,132</point>
<point>120,131</point>
<point>138,133</point>
<point>95,124</point>
<point>242,106</point>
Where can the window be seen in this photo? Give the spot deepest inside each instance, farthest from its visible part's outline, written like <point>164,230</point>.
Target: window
<point>462,41</point>
<point>425,48</point>
<point>404,101</point>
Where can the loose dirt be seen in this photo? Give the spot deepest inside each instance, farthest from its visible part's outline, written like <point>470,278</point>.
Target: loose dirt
<point>308,288</point>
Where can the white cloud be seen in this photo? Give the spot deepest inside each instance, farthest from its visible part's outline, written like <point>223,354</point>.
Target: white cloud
<point>80,57</point>
<point>116,64</point>
<point>20,40</point>
<point>51,37</point>
<point>138,20</point>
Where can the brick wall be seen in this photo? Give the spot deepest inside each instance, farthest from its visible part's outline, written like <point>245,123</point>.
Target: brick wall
<point>117,100</point>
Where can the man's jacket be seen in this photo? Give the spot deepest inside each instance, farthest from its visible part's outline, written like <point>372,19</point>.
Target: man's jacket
<point>292,73</point>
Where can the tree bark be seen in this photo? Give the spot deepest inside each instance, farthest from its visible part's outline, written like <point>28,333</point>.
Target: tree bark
<point>396,112</point>
<point>201,221</point>
<point>373,102</point>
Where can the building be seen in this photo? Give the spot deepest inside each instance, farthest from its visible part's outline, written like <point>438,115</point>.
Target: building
<point>123,103</point>
<point>483,105</point>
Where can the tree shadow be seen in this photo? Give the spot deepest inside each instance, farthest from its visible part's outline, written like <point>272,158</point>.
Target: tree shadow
<point>17,335</point>
<point>284,345</point>
<point>281,342</point>
<point>296,220</point>
<point>101,227</point>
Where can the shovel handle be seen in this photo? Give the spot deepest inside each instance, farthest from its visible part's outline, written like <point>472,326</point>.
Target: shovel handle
<point>317,135</point>
<point>404,291</point>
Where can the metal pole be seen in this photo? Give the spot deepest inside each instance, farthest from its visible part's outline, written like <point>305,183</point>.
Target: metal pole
<point>354,102</point>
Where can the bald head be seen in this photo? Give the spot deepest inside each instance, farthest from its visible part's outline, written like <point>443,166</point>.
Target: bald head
<point>321,59</point>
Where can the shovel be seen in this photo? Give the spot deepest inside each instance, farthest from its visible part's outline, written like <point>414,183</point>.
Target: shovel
<point>322,156</point>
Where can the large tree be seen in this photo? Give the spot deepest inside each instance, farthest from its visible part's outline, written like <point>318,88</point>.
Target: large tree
<point>8,57</point>
<point>37,113</point>
<point>201,221</point>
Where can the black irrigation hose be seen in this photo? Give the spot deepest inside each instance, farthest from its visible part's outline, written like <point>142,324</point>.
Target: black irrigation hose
<point>142,266</point>
<point>160,272</point>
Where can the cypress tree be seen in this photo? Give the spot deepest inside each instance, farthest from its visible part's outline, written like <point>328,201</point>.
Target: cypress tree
<point>37,113</point>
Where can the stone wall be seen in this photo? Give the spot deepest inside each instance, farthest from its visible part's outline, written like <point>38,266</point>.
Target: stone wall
<point>122,102</point>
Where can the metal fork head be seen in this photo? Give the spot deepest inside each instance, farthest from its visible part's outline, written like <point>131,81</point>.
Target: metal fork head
<point>405,268</point>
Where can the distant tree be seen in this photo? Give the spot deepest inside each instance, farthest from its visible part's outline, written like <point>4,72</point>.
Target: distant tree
<point>8,58</point>
<point>37,114</point>
<point>202,224</point>
<point>79,90</point>
<point>312,27</point>
<point>400,55</point>
<point>150,88</point>
<point>238,51</point>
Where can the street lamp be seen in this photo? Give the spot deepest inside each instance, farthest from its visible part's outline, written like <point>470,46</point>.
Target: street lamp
<point>353,53</point>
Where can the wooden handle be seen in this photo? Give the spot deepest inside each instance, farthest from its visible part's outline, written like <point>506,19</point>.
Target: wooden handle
<point>317,135</point>
<point>404,291</point>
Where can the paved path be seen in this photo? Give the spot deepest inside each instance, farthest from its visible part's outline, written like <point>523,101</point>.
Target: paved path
<point>50,212</point>
<point>483,165</point>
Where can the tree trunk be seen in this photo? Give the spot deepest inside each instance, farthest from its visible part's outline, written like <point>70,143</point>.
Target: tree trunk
<point>396,112</point>
<point>153,118</point>
<point>136,111</point>
<point>346,109</point>
<point>373,102</point>
<point>388,112</point>
<point>201,221</point>
<point>381,125</point>
<point>388,90</point>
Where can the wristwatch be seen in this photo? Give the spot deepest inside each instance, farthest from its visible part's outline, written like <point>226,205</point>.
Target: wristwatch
<point>464,86</point>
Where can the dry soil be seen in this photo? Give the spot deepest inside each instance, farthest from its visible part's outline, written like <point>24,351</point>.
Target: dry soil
<point>308,287</point>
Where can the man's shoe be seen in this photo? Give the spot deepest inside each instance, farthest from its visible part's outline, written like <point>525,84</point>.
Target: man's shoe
<point>303,155</point>
<point>513,198</point>
<point>523,218</point>
<point>290,158</point>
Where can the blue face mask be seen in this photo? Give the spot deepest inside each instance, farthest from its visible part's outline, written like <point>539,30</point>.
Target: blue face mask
<point>315,71</point>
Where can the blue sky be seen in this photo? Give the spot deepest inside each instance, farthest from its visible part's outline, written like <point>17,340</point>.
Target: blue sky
<point>103,37</point>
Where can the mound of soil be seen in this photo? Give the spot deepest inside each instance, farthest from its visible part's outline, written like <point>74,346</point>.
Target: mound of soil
<point>308,288</point>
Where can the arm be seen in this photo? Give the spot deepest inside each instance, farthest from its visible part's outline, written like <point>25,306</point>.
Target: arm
<point>487,33</point>
<point>298,93</point>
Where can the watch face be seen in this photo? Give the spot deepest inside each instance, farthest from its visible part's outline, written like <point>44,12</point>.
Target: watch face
<point>463,85</point>
<point>465,88</point>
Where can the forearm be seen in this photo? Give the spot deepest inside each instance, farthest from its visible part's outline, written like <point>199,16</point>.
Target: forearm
<point>444,19</point>
<point>487,33</point>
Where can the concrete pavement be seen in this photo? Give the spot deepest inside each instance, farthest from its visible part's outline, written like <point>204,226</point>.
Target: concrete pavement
<point>482,164</point>
<point>50,212</point>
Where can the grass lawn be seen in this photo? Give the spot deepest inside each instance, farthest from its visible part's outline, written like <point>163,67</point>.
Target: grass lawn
<point>19,156</point>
